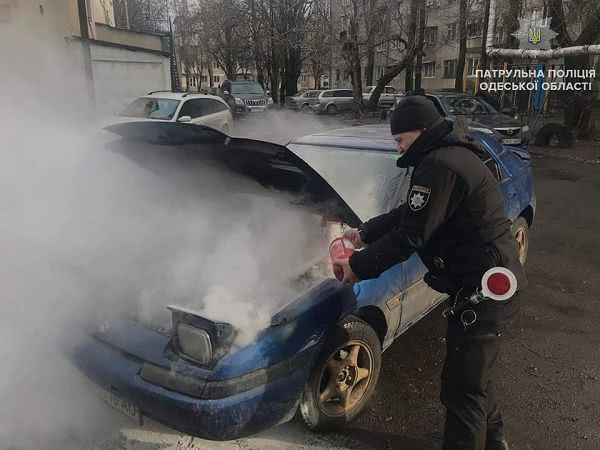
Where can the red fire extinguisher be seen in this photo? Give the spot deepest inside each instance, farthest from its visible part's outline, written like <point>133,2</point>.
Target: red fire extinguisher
<point>340,248</point>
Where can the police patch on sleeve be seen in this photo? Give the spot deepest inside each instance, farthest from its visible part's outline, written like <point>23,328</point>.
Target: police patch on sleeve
<point>418,197</point>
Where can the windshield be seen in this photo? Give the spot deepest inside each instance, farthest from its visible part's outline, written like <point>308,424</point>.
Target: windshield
<point>464,104</point>
<point>151,108</point>
<point>246,88</point>
<point>313,94</point>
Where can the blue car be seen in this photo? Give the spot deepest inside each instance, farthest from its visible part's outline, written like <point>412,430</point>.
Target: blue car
<point>321,354</point>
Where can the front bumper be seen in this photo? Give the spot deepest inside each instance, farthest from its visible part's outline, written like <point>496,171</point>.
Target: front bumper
<point>224,418</point>
<point>247,110</point>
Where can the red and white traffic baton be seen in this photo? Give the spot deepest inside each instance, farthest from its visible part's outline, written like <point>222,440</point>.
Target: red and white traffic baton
<point>498,284</point>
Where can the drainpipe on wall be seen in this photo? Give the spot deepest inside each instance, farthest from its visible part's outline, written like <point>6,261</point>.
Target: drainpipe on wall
<point>87,55</point>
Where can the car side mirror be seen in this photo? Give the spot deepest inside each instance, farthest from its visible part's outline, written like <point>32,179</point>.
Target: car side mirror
<point>184,119</point>
<point>225,92</point>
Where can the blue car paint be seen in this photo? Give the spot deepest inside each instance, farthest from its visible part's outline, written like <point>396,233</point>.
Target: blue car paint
<point>228,418</point>
<point>114,360</point>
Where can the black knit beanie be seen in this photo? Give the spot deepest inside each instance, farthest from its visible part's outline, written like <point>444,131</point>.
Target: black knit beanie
<point>415,112</point>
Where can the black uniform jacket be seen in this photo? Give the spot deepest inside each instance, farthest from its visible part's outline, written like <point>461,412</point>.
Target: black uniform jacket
<point>454,215</point>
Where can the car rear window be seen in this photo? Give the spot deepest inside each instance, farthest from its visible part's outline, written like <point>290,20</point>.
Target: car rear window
<point>151,108</point>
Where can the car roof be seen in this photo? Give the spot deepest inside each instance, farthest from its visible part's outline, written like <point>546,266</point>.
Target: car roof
<point>366,137</point>
<point>180,96</point>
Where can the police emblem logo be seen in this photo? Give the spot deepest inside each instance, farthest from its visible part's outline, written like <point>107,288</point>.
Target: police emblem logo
<point>418,197</point>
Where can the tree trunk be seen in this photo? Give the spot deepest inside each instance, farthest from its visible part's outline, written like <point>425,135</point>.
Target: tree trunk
<point>282,87</point>
<point>462,53</point>
<point>370,66</point>
<point>483,60</point>
<point>420,43</point>
<point>388,76</point>
<point>412,31</point>
<point>210,74</point>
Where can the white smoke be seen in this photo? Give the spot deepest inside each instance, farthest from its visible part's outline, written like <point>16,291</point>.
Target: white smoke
<point>86,232</point>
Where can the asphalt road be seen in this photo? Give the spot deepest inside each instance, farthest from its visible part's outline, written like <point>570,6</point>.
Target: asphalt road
<point>549,367</point>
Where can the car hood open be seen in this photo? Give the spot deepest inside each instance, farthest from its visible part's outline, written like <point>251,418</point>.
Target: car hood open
<point>273,166</point>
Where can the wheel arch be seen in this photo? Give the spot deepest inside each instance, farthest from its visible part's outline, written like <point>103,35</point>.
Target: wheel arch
<point>376,319</point>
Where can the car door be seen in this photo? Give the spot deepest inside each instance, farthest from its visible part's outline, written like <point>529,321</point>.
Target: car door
<point>346,99</point>
<point>219,116</point>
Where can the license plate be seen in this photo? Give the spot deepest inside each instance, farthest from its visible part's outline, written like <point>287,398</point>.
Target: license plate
<point>511,141</point>
<point>120,404</point>
<point>257,110</point>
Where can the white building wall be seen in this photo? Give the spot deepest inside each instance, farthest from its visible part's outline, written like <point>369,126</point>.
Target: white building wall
<point>121,75</point>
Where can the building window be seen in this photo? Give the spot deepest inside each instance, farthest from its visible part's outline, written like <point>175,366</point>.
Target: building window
<point>204,78</point>
<point>381,47</point>
<point>337,75</point>
<point>396,44</point>
<point>475,28</point>
<point>432,3</point>
<point>303,78</point>
<point>472,64</point>
<point>429,69</point>
<point>216,65</point>
<point>452,31</point>
<point>450,68</point>
<point>216,78</point>
<point>380,72</point>
<point>431,35</point>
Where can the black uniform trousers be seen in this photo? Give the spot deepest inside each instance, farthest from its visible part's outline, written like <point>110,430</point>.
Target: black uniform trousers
<point>468,389</point>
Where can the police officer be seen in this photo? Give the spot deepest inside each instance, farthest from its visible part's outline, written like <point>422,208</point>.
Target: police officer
<point>454,218</point>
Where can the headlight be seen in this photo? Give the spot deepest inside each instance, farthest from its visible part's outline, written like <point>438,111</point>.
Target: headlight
<point>482,130</point>
<point>525,129</point>
<point>239,101</point>
<point>270,101</point>
<point>194,343</point>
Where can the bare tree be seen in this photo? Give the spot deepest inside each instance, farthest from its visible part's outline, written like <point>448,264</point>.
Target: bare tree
<point>360,31</point>
<point>407,46</point>
<point>462,53</point>
<point>318,44</point>
<point>220,20</point>
<point>192,54</point>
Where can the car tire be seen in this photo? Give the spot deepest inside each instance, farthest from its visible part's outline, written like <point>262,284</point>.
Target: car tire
<point>304,107</point>
<point>332,110</point>
<point>555,136</point>
<point>520,231</point>
<point>339,374</point>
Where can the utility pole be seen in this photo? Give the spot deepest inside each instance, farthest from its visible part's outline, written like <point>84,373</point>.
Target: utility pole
<point>330,45</point>
<point>87,53</point>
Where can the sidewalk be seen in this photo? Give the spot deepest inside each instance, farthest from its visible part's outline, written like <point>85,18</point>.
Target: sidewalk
<point>583,151</point>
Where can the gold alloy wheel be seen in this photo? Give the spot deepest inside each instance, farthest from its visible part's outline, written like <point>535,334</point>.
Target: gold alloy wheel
<point>345,379</point>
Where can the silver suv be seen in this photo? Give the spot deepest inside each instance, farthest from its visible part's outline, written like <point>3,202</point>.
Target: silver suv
<point>332,101</point>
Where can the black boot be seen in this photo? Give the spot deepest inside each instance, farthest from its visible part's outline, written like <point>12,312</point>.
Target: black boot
<point>497,444</point>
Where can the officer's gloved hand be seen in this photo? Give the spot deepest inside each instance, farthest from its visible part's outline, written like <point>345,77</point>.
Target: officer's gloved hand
<point>440,283</point>
<point>353,235</point>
